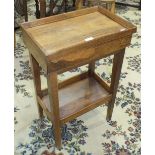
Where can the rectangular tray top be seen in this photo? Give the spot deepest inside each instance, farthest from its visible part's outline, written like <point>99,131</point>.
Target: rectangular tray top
<point>74,29</point>
<point>62,34</point>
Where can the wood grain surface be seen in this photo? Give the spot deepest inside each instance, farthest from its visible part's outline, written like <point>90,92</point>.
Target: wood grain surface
<point>63,42</point>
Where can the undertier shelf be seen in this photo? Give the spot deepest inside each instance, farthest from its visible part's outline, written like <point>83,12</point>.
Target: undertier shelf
<point>78,98</point>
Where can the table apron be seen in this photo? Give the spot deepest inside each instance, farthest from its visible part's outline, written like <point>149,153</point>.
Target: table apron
<point>78,58</point>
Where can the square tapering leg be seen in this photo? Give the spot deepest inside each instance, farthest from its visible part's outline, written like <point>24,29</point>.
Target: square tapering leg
<point>54,105</point>
<point>116,71</point>
<point>91,68</point>
<point>37,82</point>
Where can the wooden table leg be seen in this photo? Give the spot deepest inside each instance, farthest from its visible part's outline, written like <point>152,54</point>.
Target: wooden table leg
<point>37,13</point>
<point>73,3</point>
<point>78,4</point>
<point>116,71</point>
<point>53,96</point>
<point>37,82</point>
<point>42,8</point>
<point>113,7</point>
<point>91,67</point>
<point>51,6</point>
<point>110,5</point>
<point>65,5</point>
<point>25,10</point>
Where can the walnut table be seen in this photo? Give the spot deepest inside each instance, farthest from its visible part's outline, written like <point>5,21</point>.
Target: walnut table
<point>62,42</point>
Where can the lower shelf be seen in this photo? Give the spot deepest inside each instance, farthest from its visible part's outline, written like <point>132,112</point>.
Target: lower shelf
<point>78,98</point>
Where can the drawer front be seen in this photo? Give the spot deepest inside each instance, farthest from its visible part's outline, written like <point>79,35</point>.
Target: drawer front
<point>77,58</point>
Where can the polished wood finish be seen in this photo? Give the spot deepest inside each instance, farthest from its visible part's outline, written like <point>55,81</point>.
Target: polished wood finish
<point>59,41</point>
<point>73,47</point>
<point>56,18</point>
<point>65,83</point>
<point>37,82</point>
<point>35,49</point>
<point>54,106</point>
<point>116,71</point>
<point>44,107</point>
<point>102,83</point>
<point>73,80</point>
<point>77,78</point>
<point>62,42</point>
<point>91,67</point>
<point>88,92</point>
<point>42,8</point>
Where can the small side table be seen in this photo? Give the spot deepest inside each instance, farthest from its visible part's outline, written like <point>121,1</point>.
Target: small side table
<point>62,42</point>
